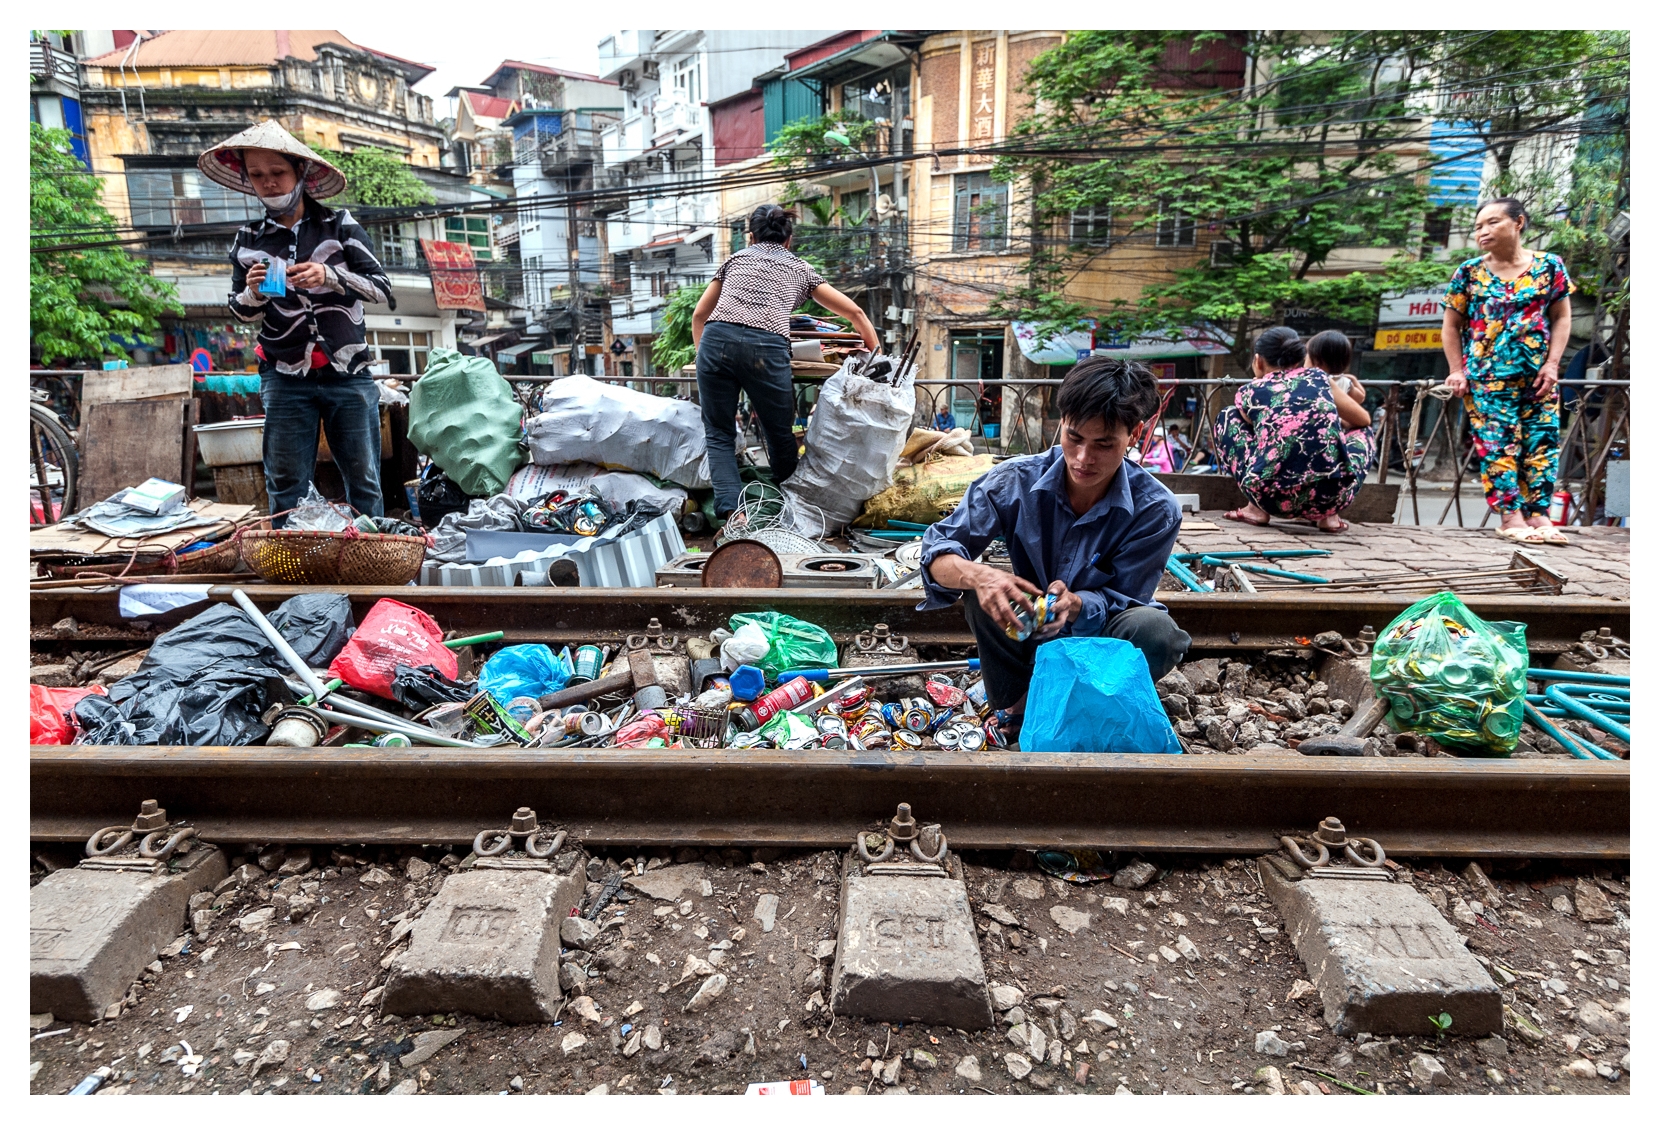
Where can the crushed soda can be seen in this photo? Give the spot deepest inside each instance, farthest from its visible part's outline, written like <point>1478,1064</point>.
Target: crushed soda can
<point>969,736</point>
<point>947,738</point>
<point>976,694</point>
<point>945,694</point>
<point>994,735</point>
<point>918,714</point>
<point>487,717</point>
<point>894,715</point>
<point>746,740</point>
<point>907,740</point>
<point>833,731</point>
<point>1032,619</point>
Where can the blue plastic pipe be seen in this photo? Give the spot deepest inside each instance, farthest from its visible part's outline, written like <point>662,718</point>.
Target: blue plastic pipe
<point>1224,561</point>
<point>1304,553</point>
<point>1573,745</point>
<point>1558,694</point>
<point>1185,576</point>
<point>873,671</point>
<point>1578,677</point>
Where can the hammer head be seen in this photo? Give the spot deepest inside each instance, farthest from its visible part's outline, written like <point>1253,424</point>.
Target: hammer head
<point>1333,745</point>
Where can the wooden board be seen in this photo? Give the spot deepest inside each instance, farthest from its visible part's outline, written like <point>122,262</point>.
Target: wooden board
<point>135,384</point>
<point>126,443</point>
<point>1374,504</point>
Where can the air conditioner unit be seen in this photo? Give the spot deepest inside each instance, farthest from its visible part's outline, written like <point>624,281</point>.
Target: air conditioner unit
<point>1222,253</point>
<point>648,68</point>
<point>628,80</point>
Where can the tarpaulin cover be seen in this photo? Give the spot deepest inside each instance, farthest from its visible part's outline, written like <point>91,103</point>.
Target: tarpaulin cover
<point>206,682</point>
<point>1093,695</point>
<point>463,415</point>
<point>392,634</point>
<point>583,419</point>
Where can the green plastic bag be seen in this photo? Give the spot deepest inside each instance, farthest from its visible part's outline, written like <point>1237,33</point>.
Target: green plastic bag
<point>1450,675</point>
<point>792,643</point>
<point>463,415</point>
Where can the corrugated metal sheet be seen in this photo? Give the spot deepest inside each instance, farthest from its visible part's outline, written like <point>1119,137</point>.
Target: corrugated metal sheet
<point>221,48</point>
<point>786,101</point>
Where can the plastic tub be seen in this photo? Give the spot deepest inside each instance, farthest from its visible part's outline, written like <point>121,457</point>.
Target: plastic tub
<point>232,443</point>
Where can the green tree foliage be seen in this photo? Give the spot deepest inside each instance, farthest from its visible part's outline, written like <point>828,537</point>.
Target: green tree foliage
<point>78,298</point>
<point>1323,153</point>
<point>376,178</point>
<point>673,347</point>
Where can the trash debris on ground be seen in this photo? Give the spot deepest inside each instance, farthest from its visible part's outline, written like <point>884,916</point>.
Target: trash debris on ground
<point>927,493</point>
<point>52,713</point>
<point>391,634</point>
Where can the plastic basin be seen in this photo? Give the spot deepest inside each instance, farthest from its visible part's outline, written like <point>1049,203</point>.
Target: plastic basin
<point>232,443</point>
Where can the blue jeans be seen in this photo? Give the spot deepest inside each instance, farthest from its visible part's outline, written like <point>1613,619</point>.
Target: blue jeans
<point>350,412</point>
<point>734,357</point>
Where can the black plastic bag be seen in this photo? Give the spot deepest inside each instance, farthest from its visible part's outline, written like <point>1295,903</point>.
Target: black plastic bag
<point>423,686</point>
<point>102,723</point>
<point>437,496</point>
<point>207,681</point>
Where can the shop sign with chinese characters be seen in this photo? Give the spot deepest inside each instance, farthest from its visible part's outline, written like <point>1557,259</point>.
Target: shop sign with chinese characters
<point>983,94</point>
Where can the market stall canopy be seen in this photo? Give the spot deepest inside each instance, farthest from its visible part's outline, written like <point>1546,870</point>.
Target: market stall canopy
<point>1053,349</point>
<point>1191,341</point>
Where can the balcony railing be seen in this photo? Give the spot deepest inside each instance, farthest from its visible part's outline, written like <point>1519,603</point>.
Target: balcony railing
<point>46,62</point>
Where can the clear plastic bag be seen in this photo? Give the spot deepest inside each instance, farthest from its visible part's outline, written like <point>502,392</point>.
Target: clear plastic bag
<point>747,645</point>
<point>314,513</point>
<point>791,642</point>
<point>1450,675</point>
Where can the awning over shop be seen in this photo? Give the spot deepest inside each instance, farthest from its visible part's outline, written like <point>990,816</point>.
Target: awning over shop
<point>545,358</point>
<point>1193,341</point>
<point>1068,348</point>
<point>515,351</point>
<point>876,53</point>
<point>483,341</point>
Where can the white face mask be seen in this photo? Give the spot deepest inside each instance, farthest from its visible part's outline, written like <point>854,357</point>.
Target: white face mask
<point>279,205</point>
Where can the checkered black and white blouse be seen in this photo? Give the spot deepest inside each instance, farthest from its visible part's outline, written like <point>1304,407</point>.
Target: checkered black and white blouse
<point>761,285</point>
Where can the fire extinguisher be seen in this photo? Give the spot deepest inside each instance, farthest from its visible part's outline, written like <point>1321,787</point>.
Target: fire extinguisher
<point>1559,502</point>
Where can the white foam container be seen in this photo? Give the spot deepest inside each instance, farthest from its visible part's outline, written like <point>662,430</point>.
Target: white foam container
<point>232,443</point>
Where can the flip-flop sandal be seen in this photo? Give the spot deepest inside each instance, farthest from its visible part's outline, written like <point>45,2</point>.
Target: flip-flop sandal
<point>1527,535</point>
<point>1238,516</point>
<point>1551,536</point>
<point>1338,530</point>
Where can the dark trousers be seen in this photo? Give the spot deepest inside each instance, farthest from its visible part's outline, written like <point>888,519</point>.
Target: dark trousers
<point>1006,665</point>
<point>733,358</point>
<point>349,410</point>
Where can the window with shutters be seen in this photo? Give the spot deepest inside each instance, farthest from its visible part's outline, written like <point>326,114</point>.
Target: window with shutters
<point>982,214</point>
<point>1092,226</point>
<point>1176,227</point>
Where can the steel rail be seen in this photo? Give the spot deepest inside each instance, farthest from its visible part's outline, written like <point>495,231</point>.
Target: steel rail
<point>569,615</point>
<point>1204,804</point>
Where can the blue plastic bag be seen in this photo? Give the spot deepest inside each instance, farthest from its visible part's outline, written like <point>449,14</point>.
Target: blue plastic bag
<point>517,670</point>
<point>1093,695</point>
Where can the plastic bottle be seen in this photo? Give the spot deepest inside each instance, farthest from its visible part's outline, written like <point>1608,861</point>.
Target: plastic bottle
<point>748,682</point>
<point>781,698</point>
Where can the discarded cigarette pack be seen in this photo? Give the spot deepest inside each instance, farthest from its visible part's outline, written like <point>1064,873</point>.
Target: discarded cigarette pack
<point>155,496</point>
<point>799,1086</point>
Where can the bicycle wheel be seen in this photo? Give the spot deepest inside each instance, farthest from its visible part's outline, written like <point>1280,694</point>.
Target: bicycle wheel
<point>54,468</point>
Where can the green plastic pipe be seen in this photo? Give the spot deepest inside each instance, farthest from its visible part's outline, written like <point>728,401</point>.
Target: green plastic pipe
<point>1578,677</point>
<point>330,686</point>
<point>1557,694</point>
<point>482,638</point>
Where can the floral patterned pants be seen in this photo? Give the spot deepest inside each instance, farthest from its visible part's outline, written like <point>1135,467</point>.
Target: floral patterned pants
<point>1517,438</point>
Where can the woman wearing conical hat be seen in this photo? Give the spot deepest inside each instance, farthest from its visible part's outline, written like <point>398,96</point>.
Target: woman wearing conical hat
<point>304,272</point>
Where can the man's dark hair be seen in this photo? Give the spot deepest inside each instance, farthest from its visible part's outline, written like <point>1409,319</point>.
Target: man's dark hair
<point>1117,392</point>
<point>1280,347</point>
<point>771,223</point>
<point>1331,351</point>
<point>1512,208</point>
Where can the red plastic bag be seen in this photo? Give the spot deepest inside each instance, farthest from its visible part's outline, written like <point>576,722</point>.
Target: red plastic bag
<point>49,707</point>
<point>392,634</point>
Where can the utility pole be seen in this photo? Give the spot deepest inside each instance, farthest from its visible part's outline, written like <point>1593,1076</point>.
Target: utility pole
<point>579,343</point>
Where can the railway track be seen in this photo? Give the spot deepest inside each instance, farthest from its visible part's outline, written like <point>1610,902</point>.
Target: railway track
<point>1234,804</point>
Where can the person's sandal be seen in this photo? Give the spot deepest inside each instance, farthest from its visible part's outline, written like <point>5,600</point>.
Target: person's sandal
<point>1551,535</point>
<point>1528,536</point>
<point>1238,515</point>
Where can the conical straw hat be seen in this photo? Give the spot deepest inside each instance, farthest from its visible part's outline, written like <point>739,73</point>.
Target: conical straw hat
<point>223,162</point>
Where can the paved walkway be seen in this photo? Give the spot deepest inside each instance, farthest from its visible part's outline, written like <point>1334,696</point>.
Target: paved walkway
<point>1597,563</point>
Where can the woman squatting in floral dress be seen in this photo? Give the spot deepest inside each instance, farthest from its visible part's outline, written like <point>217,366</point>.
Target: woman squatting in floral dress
<point>1297,447</point>
<point>1505,327</point>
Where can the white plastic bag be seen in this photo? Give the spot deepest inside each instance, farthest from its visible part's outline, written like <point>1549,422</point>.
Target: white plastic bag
<point>748,645</point>
<point>854,438</point>
<point>583,419</point>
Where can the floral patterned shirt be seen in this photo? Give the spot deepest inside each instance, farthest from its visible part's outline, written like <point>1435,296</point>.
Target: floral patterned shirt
<point>1507,329</point>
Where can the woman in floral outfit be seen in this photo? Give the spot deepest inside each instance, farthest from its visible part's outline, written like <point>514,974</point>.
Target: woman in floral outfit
<point>1296,449</point>
<point>1504,330</point>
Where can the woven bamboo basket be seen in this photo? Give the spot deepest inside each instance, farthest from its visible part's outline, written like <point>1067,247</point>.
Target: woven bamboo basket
<point>344,558</point>
<point>221,558</point>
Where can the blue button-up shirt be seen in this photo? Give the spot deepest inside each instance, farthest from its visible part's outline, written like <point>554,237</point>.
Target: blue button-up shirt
<point>1130,530</point>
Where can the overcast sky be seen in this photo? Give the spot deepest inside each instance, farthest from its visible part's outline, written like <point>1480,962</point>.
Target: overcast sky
<point>466,51</point>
